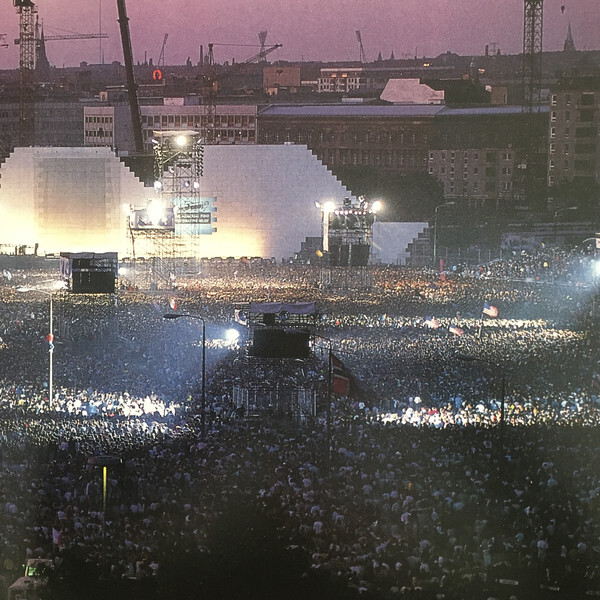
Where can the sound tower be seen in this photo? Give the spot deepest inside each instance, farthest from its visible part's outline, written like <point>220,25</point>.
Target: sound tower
<point>93,274</point>
<point>359,256</point>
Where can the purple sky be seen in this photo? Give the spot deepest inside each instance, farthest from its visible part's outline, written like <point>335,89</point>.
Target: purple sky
<point>308,29</point>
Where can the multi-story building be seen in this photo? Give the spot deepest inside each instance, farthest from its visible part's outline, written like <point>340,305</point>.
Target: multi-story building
<point>57,123</point>
<point>365,78</point>
<point>392,137</point>
<point>574,130</point>
<point>110,125</point>
<point>476,152</point>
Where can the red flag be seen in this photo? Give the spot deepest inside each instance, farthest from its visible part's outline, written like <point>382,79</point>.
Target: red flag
<point>340,383</point>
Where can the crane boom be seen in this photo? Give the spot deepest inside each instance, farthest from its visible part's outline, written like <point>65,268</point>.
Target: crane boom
<point>134,106</point>
<point>161,57</point>
<point>77,36</point>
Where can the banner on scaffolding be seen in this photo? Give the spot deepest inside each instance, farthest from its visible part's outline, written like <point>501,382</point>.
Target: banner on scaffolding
<point>194,216</point>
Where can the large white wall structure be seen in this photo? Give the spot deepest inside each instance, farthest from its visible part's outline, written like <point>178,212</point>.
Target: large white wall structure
<point>391,240</point>
<point>265,199</point>
<point>71,199</point>
<point>66,199</point>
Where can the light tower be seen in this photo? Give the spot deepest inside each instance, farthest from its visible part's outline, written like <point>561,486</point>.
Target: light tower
<point>178,161</point>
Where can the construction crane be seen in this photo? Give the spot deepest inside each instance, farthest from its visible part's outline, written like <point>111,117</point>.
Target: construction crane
<point>29,42</point>
<point>532,52</point>
<point>363,56</point>
<point>161,56</point>
<point>211,84</point>
<point>26,10</point>
<point>262,38</point>
<point>529,163</point>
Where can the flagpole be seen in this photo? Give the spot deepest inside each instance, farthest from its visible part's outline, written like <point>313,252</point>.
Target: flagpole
<point>480,326</point>
<point>328,411</point>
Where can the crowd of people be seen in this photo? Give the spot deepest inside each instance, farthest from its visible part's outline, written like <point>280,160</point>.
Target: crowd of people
<point>459,465</point>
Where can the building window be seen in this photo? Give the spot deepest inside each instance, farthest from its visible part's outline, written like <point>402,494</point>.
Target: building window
<point>554,99</point>
<point>552,132</point>
<point>586,115</point>
<point>587,99</point>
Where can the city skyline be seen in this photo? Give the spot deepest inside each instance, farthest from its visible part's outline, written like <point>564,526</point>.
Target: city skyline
<point>318,32</point>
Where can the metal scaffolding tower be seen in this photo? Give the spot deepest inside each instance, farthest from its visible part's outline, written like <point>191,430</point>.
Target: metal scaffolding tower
<point>178,162</point>
<point>27,49</point>
<point>532,53</point>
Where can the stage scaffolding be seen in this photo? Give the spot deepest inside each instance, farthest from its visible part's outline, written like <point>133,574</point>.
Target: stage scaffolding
<point>170,228</point>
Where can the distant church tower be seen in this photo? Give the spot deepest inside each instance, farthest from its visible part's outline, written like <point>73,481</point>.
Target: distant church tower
<point>569,43</point>
<point>42,65</point>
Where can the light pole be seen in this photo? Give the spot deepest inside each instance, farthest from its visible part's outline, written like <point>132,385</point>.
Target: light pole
<point>203,393</point>
<point>435,230</point>
<point>50,338</point>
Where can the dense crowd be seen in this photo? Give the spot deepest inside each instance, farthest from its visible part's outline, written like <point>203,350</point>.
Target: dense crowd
<point>461,465</point>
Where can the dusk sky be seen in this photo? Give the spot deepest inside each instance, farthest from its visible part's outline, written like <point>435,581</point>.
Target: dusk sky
<point>309,30</point>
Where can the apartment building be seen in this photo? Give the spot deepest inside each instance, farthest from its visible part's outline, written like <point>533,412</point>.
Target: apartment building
<point>476,152</point>
<point>574,130</point>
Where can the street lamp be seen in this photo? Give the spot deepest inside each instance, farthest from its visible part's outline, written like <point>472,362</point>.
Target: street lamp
<point>435,230</point>
<point>470,358</point>
<point>203,393</point>
<point>49,337</point>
